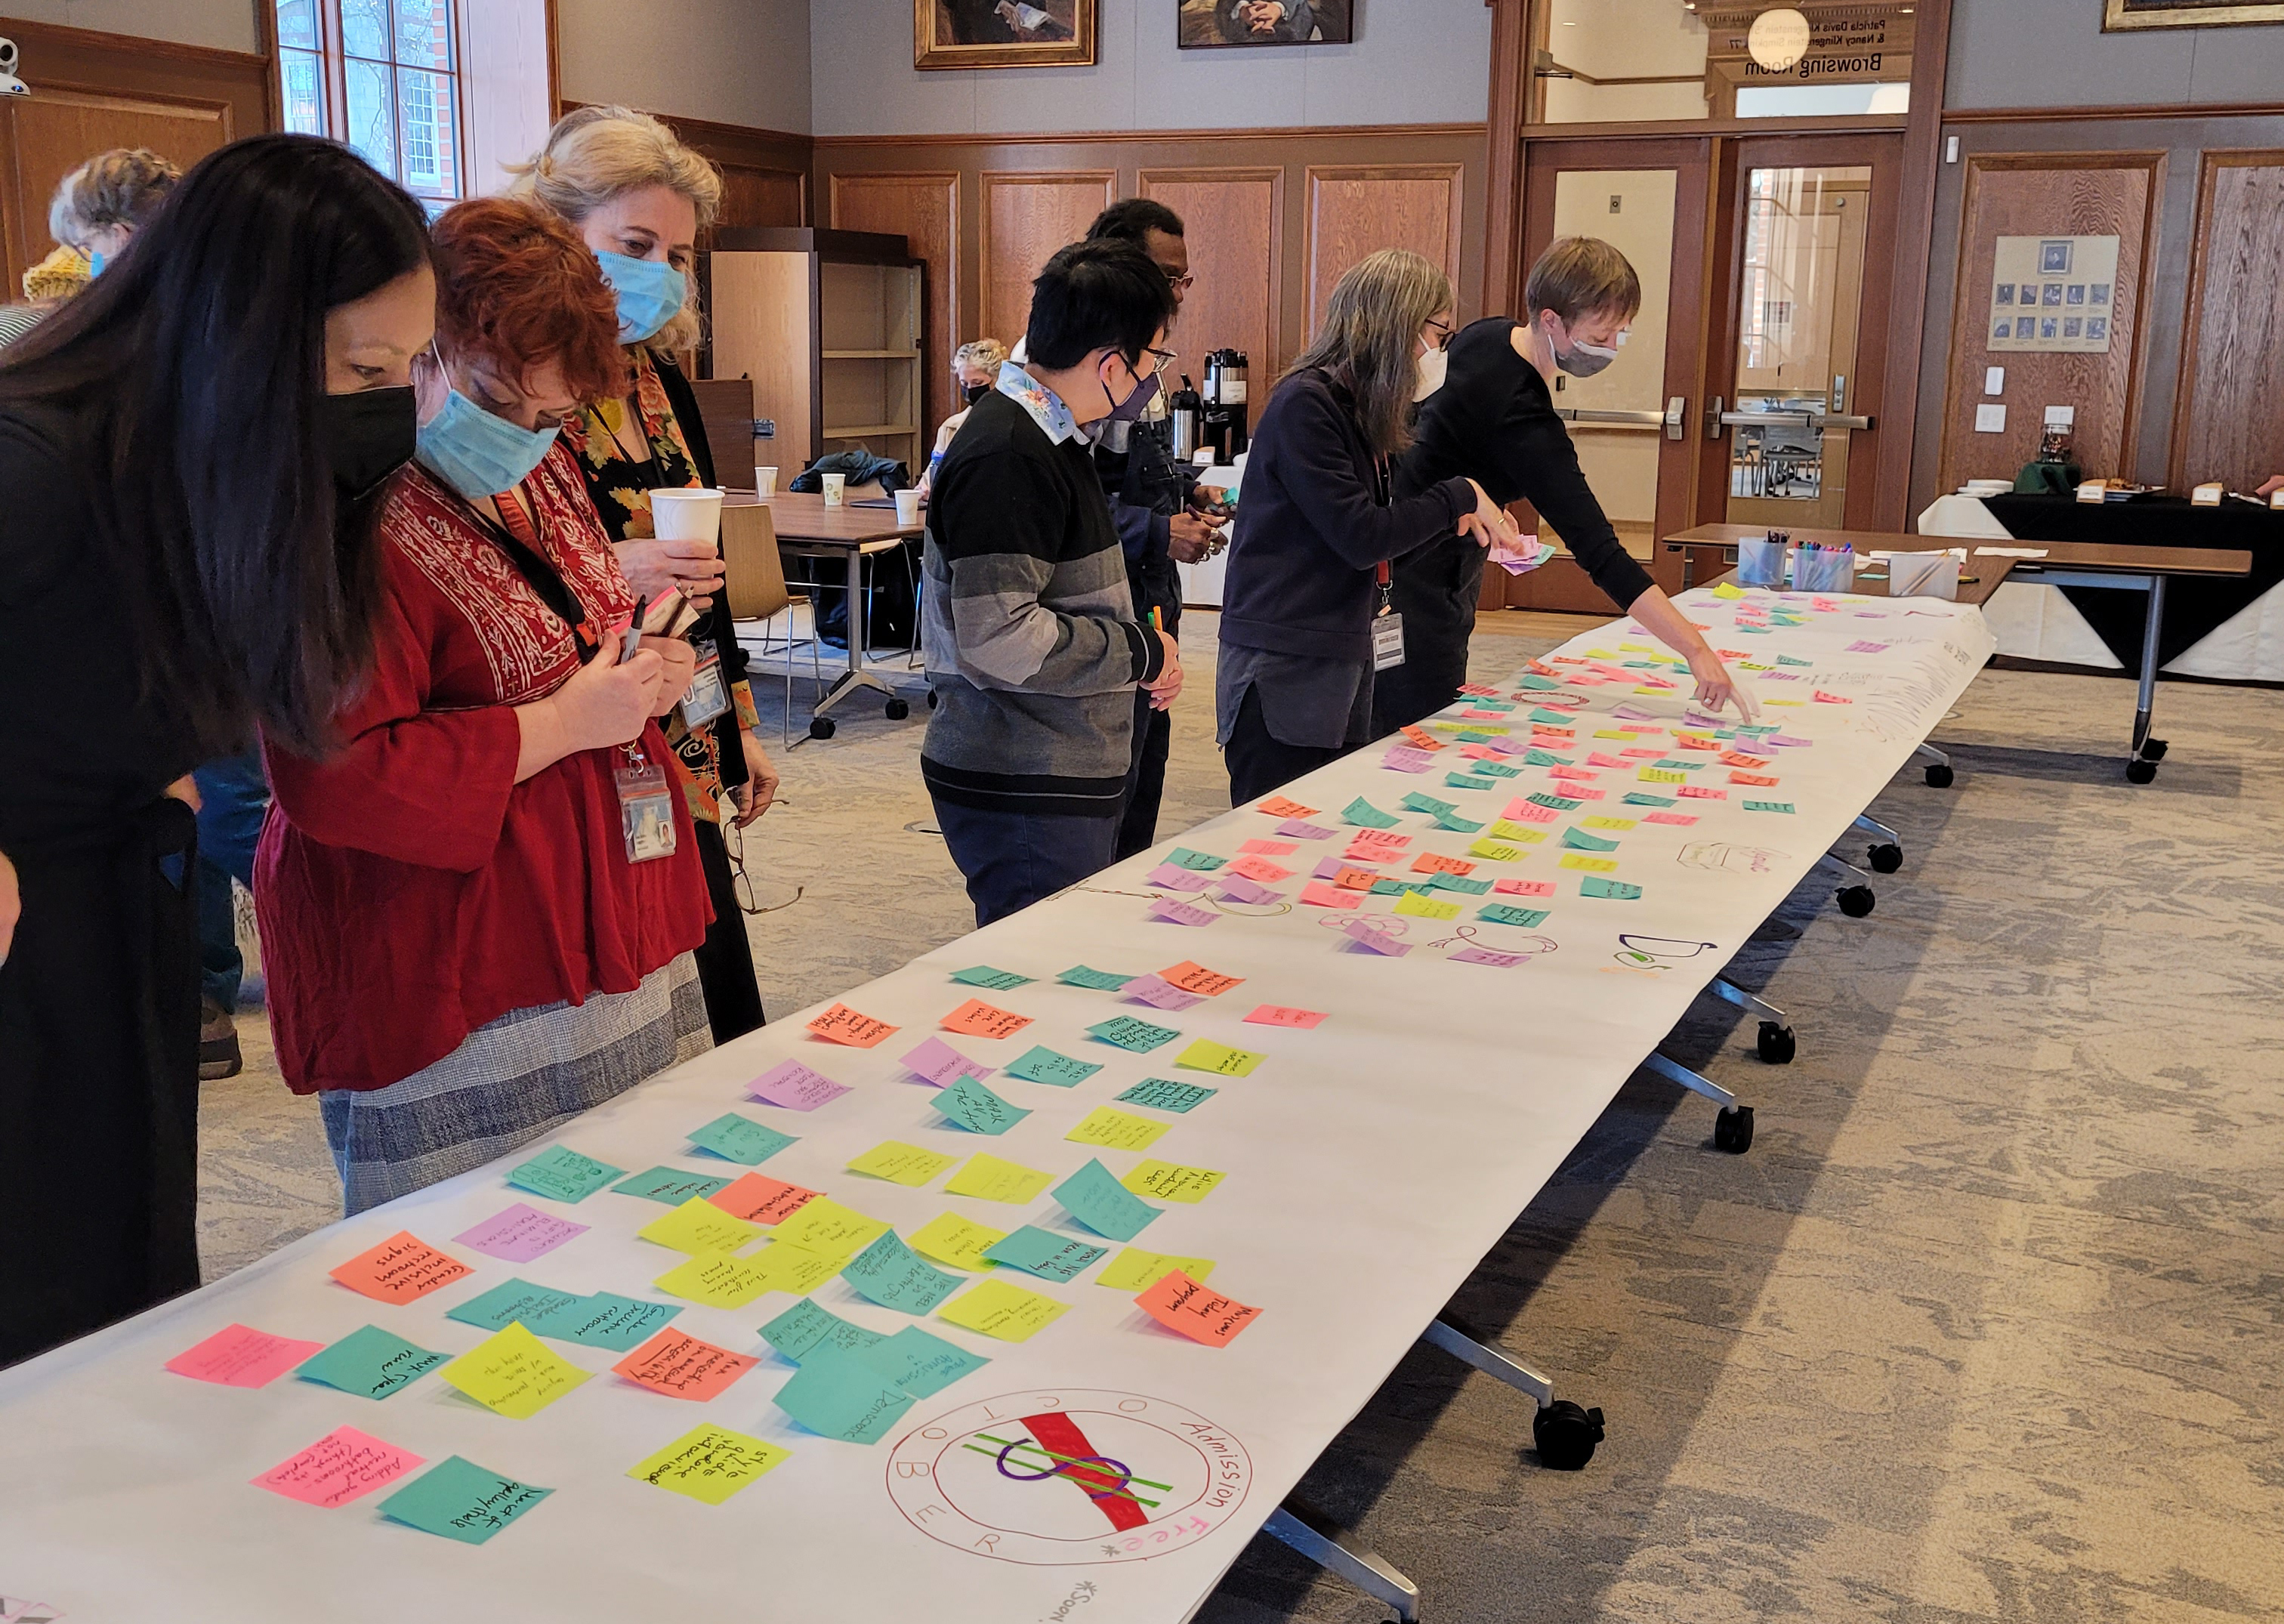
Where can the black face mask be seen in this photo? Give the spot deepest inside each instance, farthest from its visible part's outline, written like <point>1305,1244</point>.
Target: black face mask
<point>368,437</point>
<point>972,392</point>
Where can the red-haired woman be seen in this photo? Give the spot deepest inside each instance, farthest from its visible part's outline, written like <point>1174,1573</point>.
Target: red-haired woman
<point>479,913</point>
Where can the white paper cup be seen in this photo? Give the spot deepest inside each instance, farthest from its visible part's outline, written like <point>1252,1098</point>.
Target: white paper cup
<point>835,484</point>
<point>908,507</point>
<point>687,512</point>
<point>765,483</point>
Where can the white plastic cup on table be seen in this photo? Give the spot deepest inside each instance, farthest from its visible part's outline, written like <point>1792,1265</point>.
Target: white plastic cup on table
<point>765,483</point>
<point>836,486</point>
<point>687,512</point>
<point>908,507</point>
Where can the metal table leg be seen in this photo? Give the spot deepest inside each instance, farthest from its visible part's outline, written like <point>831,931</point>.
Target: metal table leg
<point>856,677</point>
<point>1733,1129</point>
<point>1320,1538</point>
<point>1776,1042</point>
<point>2142,766</point>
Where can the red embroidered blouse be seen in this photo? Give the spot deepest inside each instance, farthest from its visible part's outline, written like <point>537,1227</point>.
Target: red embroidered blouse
<point>408,889</point>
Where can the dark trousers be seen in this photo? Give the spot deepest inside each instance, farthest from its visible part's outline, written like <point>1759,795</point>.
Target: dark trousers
<point>726,958</point>
<point>1146,778</point>
<point>1435,589</point>
<point>1012,859</point>
<point>233,798</point>
<point>1258,762</point>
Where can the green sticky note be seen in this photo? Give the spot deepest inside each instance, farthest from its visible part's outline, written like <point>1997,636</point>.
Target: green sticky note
<point>1544,758</point>
<point>563,1175</point>
<point>1164,1094</point>
<point>1555,802</point>
<point>1595,885</point>
<point>606,1320</point>
<point>1101,981</point>
<point>1476,736</point>
<point>843,1396</point>
<point>1103,1204</point>
<point>1533,680</point>
<point>802,1328</point>
<point>1774,806</point>
<point>1453,882</point>
<point>740,1139</point>
<point>1397,888</point>
<point>976,1108</point>
<point>1046,1254</point>
<point>1458,825</point>
<point>370,1362</point>
<point>894,1275</point>
<point>1204,862</point>
<point>1639,799</point>
<point>511,1301</point>
<point>1468,780</point>
<point>984,975</point>
<point>1786,659</point>
<point>1365,814</point>
<point>1428,803</point>
<point>1500,913</point>
<point>1138,1037</point>
<point>1578,839</point>
<point>918,1363</point>
<point>1496,769</point>
<point>1669,766</point>
<point>460,1500</point>
<point>1553,718</point>
<point>670,1185</point>
<point>1044,1065</point>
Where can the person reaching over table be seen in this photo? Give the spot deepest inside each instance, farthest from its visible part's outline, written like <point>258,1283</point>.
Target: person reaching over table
<point>483,905</point>
<point>1494,417</point>
<point>1304,619</point>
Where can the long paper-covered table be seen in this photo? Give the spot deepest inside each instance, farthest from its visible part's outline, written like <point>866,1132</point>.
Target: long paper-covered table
<point>1370,1162</point>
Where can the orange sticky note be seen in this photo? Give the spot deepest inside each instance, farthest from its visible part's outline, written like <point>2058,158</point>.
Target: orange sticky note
<point>1435,862</point>
<point>842,1024</point>
<point>977,1019</point>
<point>1421,737</point>
<point>1284,1014</point>
<point>1181,1304</point>
<point>682,1367</point>
<point>760,1199</point>
<point>1356,879</point>
<point>1260,869</point>
<point>1319,894</point>
<point>1278,806</point>
<point>1197,978</point>
<point>399,1269</point>
<point>1760,779</point>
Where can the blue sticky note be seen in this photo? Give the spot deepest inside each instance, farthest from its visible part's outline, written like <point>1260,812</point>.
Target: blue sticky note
<point>1365,814</point>
<point>984,975</point>
<point>1097,1200</point>
<point>1637,798</point>
<point>516,1299</point>
<point>1468,780</point>
<point>670,1185</point>
<point>563,1175</point>
<point>1578,839</point>
<point>461,1501</point>
<point>1428,803</point>
<point>1453,882</point>
<point>976,1108</point>
<point>1533,680</point>
<point>1164,1094</point>
<point>1204,862</point>
<point>370,1362</point>
<point>803,1328</point>
<point>1396,888</point>
<point>1046,1254</point>
<point>1475,735</point>
<point>1462,826</point>
<point>919,1363</point>
<point>1555,802</point>
<point>894,1275</point>
<point>1553,718</point>
<point>1774,806</point>
<point>606,1320</point>
<point>1595,885</point>
<point>1544,758</point>
<point>842,1395</point>
<point>740,1139</point>
<point>1044,1065</point>
<point>1500,913</point>
<point>1496,769</point>
<point>1138,1037</point>
<point>1101,981</point>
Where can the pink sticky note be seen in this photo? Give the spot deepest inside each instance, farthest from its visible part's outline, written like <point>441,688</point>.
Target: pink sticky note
<point>1601,759</point>
<point>1259,868</point>
<point>1478,689</point>
<point>940,1062</point>
<point>1237,888</point>
<point>1319,894</point>
<point>336,1469</point>
<point>794,1085</point>
<point>520,1234</point>
<point>1642,755</point>
<point>1485,956</point>
<point>1181,912</point>
<point>1520,811</point>
<point>1299,830</point>
<point>1479,752</point>
<point>1823,698</point>
<point>1361,932</point>
<point>1582,774</point>
<point>1285,1015</point>
<point>1700,793</point>
<point>1159,993</point>
<point>1681,820</point>
<point>1404,759</point>
<point>1523,888</point>
<point>1270,848</point>
<point>1387,839</point>
<point>241,1356</point>
<point>1483,716</point>
<point>1580,792</point>
<point>1174,877</point>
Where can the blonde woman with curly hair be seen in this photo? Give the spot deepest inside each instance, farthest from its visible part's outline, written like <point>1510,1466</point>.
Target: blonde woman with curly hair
<point>974,368</point>
<point>639,198</point>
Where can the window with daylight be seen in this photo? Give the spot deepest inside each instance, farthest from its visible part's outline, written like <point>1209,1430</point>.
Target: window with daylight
<point>384,76</point>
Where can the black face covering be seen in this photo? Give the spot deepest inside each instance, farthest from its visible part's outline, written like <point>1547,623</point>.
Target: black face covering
<point>972,392</point>
<point>368,437</point>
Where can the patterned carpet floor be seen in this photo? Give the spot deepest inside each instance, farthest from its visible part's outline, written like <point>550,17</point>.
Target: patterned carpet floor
<point>1986,1327</point>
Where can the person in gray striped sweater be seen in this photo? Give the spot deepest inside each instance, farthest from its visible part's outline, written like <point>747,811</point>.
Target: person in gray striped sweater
<point>1033,646</point>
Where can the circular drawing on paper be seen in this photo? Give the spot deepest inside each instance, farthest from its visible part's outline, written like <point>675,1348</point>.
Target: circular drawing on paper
<point>1065,1475</point>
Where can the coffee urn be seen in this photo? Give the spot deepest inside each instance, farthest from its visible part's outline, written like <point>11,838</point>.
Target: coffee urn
<point>1225,426</point>
<point>1186,409</point>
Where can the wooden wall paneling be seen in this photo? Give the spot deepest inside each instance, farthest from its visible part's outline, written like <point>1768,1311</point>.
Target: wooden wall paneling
<point>1233,220</point>
<point>1355,210</point>
<point>763,306</point>
<point>1026,217</point>
<point>2224,424</point>
<point>2049,195</point>
<point>1897,404</point>
<point>924,208</point>
<point>764,172</point>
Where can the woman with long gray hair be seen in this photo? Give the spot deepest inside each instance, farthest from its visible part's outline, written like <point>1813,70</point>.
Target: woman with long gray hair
<point>1301,623</point>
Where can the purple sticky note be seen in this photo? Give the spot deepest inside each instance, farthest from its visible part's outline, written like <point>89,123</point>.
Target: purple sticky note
<point>794,1085</point>
<point>1406,759</point>
<point>1298,830</point>
<point>1174,877</point>
<point>1485,956</point>
<point>1786,739</point>
<point>1237,888</point>
<point>520,1234</point>
<point>1332,868</point>
<point>1506,746</point>
<point>1179,913</point>
<point>1159,993</point>
<point>1362,931</point>
<point>1634,713</point>
<point>939,1063</point>
<point>1862,647</point>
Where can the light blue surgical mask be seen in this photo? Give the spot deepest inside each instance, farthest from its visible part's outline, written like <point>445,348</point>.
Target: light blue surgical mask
<point>649,293</point>
<point>476,453</point>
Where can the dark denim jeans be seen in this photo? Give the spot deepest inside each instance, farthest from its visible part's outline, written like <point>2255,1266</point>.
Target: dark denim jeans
<point>234,797</point>
<point>1012,859</point>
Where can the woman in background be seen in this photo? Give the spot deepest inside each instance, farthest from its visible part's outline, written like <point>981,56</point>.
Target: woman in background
<point>482,906</point>
<point>639,198</point>
<point>974,368</point>
<point>95,210</point>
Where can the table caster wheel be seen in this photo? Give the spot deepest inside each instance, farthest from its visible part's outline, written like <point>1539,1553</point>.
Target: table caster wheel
<point>1566,1434</point>
<point>931,699</point>
<point>1856,900</point>
<point>895,710</point>
<point>2141,772</point>
<point>1733,1129</point>
<point>1777,1044</point>
<point>2153,749</point>
<point>1938,777</point>
<point>1885,858</point>
<point>822,727</point>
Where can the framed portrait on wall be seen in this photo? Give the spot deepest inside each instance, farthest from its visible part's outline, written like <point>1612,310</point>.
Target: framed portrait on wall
<point>1211,24</point>
<point>2118,14</point>
<point>1003,33</point>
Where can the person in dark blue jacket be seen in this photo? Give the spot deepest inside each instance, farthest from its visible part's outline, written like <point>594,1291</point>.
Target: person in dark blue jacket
<point>1304,619</point>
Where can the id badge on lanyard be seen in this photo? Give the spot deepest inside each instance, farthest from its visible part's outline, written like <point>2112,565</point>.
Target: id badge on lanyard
<point>708,697</point>
<point>1387,628</point>
<point>646,806</point>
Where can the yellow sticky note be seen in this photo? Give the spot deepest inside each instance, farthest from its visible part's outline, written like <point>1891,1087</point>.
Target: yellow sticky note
<point>1115,1130</point>
<point>1207,1056</point>
<point>513,1373</point>
<point>699,1225</point>
<point>901,1164</point>
<point>1599,654</point>
<point>1655,693</point>
<point>1493,851</point>
<point>989,1178</point>
<point>1522,834</point>
<point>1592,865</point>
<point>824,1225</point>
<point>1636,648</point>
<point>1424,907</point>
<point>1134,1269</point>
<point>957,1241</point>
<point>1727,589</point>
<point>1614,732</point>
<point>1166,1181</point>
<point>1784,701</point>
<point>1660,775</point>
<point>717,1280</point>
<point>711,1463</point>
<point>1606,823</point>
<point>1007,1312</point>
<point>797,1269</point>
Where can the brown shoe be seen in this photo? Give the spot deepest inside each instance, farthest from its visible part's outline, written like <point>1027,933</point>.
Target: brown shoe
<point>218,1052</point>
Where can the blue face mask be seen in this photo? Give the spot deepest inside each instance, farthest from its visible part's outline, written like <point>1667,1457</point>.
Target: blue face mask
<point>95,262</point>
<point>478,454</point>
<point>649,291</point>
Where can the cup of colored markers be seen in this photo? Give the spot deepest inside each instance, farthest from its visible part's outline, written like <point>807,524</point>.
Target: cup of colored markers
<point>1818,569</point>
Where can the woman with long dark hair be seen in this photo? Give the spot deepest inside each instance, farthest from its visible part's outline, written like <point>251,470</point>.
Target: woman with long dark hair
<point>187,454</point>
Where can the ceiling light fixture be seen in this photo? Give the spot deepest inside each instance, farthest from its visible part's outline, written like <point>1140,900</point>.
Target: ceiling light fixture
<point>1779,39</point>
